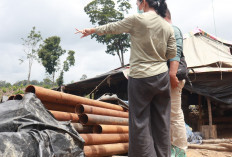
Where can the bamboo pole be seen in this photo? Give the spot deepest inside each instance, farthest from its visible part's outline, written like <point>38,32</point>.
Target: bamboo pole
<point>106,149</point>
<point>100,111</point>
<point>83,128</point>
<point>63,98</point>
<point>96,139</point>
<point>110,129</point>
<point>65,116</point>
<point>91,119</point>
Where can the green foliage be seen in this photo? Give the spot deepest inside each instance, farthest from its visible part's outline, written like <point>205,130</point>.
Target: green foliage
<point>15,88</point>
<point>47,86</point>
<point>50,53</point>
<point>47,81</point>
<point>19,92</point>
<point>4,84</point>
<point>34,82</point>
<point>19,86</point>
<point>31,44</point>
<point>102,12</point>
<point>4,90</point>
<point>21,83</point>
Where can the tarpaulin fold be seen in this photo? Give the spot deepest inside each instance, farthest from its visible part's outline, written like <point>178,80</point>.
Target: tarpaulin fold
<point>27,129</point>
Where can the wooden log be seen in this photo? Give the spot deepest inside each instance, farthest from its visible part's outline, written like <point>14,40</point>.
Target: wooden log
<point>227,145</point>
<point>216,141</point>
<point>208,147</point>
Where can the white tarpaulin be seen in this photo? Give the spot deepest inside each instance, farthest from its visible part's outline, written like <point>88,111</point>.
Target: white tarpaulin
<point>200,51</point>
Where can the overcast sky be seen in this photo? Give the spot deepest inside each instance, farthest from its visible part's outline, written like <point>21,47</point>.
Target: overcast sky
<point>60,17</point>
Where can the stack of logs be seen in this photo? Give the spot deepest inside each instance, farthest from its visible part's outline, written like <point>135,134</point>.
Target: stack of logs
<point>214,144</point>
<point>103,126</point>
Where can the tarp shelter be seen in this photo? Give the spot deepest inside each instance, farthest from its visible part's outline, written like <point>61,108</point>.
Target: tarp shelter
<point>208,56</point>
<point>211,60</point>
<point>201,50</point>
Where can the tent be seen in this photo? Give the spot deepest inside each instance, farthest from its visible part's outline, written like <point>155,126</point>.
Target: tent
<point>210,59</point>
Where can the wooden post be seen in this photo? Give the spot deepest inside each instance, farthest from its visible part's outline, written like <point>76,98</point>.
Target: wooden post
<point>209,112</point>
<point>209,131</point>
<point>200,112</point>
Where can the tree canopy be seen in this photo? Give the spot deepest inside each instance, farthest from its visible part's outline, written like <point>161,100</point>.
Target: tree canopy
<point>50,53</point>
<point>102,12</point>
<point>31,45</point>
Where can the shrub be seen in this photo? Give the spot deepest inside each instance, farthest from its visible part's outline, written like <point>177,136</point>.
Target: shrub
<point>14,88</point>
<point>19,92</point>
<point>4,90</point>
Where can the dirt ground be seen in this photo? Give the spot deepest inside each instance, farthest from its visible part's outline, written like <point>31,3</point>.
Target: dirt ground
<point>207,153</point>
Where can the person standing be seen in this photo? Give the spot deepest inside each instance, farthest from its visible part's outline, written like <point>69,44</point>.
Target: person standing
<point>152,44</point>
<point>178,130</point>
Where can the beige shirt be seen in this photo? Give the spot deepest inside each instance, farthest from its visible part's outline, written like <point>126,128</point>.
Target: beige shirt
<point>152,42</point>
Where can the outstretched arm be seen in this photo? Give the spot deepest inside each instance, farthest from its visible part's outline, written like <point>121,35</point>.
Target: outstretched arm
<point>85,32</point>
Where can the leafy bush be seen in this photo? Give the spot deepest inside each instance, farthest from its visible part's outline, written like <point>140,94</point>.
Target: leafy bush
<point>14,88</point>
<point>19,92</point>
<point>4,90</point>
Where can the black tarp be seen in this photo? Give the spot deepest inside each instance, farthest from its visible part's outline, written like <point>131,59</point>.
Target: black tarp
<point>215,85</point>
<point>27,129</point>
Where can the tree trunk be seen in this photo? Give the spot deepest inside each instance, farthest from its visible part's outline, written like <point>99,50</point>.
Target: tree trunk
<point>121,51</point>
<point>122,63</point>
<point>53,79</point>
<point>119,57</point>
<point>29,72</point>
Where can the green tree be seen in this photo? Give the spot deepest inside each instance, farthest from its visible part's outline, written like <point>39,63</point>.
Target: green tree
<point>46,81</point>
<point>19,83</point>
<point>31,44</point>
<point>70,61</point>
<point>102,12</point>
<point>4,84</point>
<point>50,53</point>
<point>34,82</point>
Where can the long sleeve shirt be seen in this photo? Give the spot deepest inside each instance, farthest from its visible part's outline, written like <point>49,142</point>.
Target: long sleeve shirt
<point>152,42</point>
<point>179,43</point>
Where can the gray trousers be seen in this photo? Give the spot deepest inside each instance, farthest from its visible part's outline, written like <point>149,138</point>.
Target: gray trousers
<point>149,116</point>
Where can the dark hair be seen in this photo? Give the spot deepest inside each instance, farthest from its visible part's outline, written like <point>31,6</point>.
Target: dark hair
<point>159,5</point>
<point>168,14</point>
